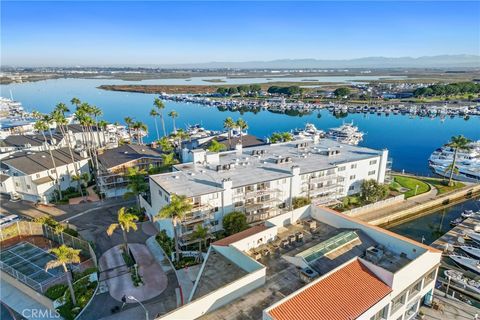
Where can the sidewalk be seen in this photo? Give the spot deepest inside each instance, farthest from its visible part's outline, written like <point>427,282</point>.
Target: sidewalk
<point>407,204</point>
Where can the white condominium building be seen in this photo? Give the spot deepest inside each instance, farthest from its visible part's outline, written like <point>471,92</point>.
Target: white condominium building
<point>263,181</point>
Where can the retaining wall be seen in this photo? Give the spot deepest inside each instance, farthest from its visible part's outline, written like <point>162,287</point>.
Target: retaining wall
<point>437,202</point>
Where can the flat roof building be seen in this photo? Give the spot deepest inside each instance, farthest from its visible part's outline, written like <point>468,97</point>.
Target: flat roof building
<point>263,181</point>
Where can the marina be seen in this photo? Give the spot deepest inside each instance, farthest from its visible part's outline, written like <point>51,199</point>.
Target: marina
<point>397,132</point>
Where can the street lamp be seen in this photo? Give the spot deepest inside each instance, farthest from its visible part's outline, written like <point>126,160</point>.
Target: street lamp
<point>135,299</point>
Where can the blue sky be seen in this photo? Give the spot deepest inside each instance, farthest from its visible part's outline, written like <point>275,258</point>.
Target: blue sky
<point>101,33</point>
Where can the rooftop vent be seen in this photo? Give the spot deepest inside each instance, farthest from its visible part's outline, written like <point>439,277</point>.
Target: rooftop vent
<point>374,254</point>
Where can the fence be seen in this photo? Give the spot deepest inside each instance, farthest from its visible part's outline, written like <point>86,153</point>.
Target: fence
<point>26,228</point>
<point>375,206</point>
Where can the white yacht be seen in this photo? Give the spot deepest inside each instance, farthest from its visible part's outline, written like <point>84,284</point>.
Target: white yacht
<point>473,251</point>
<point>460,279</point>
<point>468,162</point>
<point>346,133</point>
<point>308,131</point>
<point>468,263</point>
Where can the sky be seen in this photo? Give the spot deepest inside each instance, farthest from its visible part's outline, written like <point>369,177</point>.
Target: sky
<point>132,33</point>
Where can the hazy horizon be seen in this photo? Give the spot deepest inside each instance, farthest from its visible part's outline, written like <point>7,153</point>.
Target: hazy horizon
<point>171,33</point>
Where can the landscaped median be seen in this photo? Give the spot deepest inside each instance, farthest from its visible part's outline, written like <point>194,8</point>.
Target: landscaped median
<point>409,186</point>
<point>84,288</point>
<point>413,186</point>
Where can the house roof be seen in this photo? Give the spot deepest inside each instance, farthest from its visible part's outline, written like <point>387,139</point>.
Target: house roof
<point>35,140</point>
<point>77,128</point>
<point>240,235</point>
<point>343,295</point>
<point>33,162</point>
<point>114,157</point>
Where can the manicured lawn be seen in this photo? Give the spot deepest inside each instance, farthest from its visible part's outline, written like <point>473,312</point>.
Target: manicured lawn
<point>442,185</point>
<point>411,184</point>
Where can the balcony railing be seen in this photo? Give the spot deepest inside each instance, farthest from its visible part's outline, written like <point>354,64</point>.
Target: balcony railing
<point>260,192</point>
<point>323,178</point>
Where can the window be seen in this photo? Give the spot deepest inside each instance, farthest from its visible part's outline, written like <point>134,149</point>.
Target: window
<point>382,314</point>
<point>341,168</point>
<point>351,188</point>
<point>415,289</point>
<point>430,277</point>
<point>37,175</point>
<point>238,190</point>
<point>166,198</point>
<point>214,195</point>
<point>341,179</point>
<point>353,166</point>
<point>52,171</point>
<point>371,173</point>
<point>28,187</point>
<point>16,184</point>
<point>352,177</point>
<point>238,204</point>
<point>372,162</point>
<point>399,301</point>
<point>160,193</point>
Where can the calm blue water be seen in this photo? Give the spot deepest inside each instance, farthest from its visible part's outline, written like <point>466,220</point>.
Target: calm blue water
<point>410,141</point>
<point>434,225</point>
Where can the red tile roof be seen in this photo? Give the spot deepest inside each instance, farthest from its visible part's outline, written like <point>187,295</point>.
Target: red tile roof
<point>343,295</point>
<point>240,235</point>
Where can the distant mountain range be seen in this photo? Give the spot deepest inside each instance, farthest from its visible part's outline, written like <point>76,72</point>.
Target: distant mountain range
<point>441,61</point>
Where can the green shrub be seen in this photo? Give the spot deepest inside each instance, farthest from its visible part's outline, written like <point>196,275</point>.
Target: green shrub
<point>165,242</point>
<point>86,272</point>
<point>234,222</point>
<point>300,202</point>
<point>71,232</point>
<point>56,291</point>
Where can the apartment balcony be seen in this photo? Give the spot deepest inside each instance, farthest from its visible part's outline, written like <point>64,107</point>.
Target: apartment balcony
<point>190,219</point>
<point>260,192</point>
<point>263,214</point>
<point>187,237</point>
<point>200,207</point>
<point>324,178</point>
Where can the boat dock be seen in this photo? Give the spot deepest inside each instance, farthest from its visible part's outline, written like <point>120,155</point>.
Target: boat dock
<point>451,237</point>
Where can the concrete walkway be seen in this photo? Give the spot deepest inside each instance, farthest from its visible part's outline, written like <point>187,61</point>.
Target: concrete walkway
<point>186,278</point>
<point>118,277</point>
<point>407,204</point>
<point>452,309</point>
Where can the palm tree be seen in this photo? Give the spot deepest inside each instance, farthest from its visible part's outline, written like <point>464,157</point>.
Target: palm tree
<point>229,124</point>
<point>126,221</point>
<point>139,126</point>
<point>160,106</point>
<point>457,143</point>
<point>81,179</point>
<point>242,125</point>
<point>76,102</point>
<point>102,124</point>
<point>175,210</point>
<point>173,114</point>
<point>64,256</point>
<point>42,126</point>
<point>154,113</point>
<point>200,233</point>
<point>97,112</point>
<point>136,184</point>
<point>129,122</point>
